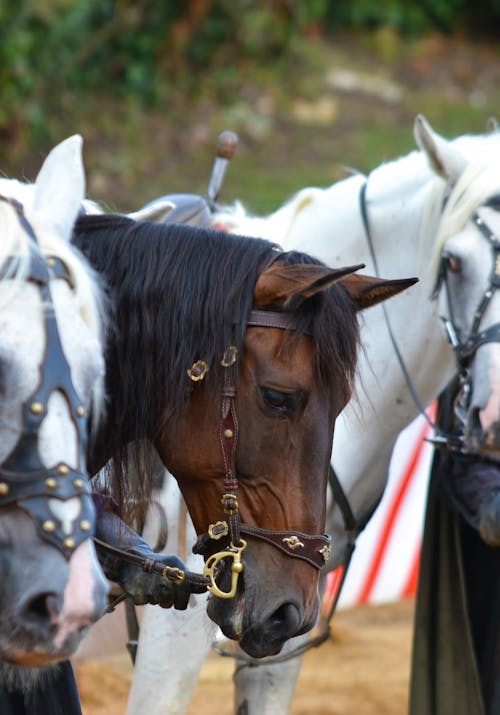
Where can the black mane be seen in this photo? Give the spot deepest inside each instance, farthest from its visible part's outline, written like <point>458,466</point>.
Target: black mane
<point>177,295</point>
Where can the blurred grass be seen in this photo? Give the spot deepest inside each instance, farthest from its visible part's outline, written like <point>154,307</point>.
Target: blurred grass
<point>347,103</point>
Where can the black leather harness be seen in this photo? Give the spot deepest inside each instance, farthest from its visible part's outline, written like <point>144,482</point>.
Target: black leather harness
<point>24,480</point>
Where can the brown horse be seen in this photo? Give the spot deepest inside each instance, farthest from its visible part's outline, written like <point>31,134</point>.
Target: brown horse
<point>233,359</point>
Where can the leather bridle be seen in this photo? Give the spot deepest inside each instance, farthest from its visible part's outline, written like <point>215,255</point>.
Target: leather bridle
<point>24,480</point>
<point>227,533</point>
<point>465,346</point>
<point>314,549</point>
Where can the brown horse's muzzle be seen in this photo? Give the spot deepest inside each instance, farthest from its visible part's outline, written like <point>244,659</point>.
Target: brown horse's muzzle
<point>267,610</point>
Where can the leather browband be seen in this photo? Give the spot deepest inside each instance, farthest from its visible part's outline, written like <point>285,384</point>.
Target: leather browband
<point>273,319</point>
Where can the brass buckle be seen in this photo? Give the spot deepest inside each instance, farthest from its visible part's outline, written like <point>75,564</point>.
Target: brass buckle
<point>171,573</point>
<point>232,552</point>
<point>230,504</point>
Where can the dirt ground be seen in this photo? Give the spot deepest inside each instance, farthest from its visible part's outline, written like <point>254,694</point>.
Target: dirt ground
<point>362,670</point>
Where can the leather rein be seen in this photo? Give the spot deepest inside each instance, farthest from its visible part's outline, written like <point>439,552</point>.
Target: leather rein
<point>24,480</point>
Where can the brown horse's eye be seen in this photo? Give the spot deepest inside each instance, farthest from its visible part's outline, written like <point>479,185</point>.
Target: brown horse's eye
<point>281,403</point>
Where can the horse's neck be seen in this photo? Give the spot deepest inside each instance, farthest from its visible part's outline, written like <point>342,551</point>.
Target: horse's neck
<point>331,227</point>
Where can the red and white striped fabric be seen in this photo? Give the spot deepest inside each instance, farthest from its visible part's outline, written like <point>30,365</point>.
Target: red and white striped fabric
<point>385,563</point>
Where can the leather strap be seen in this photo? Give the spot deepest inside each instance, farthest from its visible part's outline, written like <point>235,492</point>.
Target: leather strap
<point>24,479</point>
<point>271,319</point>
<point>307,547</point>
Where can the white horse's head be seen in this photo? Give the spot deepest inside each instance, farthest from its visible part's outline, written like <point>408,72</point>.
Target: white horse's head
<point>468,253</point>
<point>51,369</point>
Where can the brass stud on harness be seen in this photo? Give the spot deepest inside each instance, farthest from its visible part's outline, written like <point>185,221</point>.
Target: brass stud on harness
<point>4,489</point>
<point>229,357</point>
<point>228,433</point>
<point>325,552</point>
<point>63,470</point>
<point>51,262</point>
<point>293,542</point>
<point>48,526</point>
<point>197,371</point>
<point>36,408</point>
<point>51,483</point>
<point>69,543</point>
<point>85,525</point>
<point>80,411</point>
<point>78,483</point>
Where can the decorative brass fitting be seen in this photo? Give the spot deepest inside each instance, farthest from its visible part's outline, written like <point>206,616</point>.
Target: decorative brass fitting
<point>229,356</point>
<point>197,371</point>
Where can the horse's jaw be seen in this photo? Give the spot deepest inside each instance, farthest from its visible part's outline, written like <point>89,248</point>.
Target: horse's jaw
<point>228,615</point>
<point>25,679</point>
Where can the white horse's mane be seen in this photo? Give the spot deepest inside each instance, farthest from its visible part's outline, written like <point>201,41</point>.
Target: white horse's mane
<point>479,181</point>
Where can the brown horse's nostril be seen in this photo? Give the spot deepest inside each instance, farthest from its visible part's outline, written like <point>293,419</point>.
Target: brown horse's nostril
<point>268,637</point>
<point>285,620</point>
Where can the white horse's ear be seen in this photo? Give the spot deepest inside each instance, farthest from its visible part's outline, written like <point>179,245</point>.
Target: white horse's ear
<point>443,157</point>
<point>156,212</point>
<point>60,187</point>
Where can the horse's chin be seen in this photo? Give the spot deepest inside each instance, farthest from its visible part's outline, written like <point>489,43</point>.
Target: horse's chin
<point>493,455</point>
<point>482,449</point>
<point>228,615</point>
<point>32,659</point>
<point>261,639</point>
<point>24,679</point>
<point>38,656</point>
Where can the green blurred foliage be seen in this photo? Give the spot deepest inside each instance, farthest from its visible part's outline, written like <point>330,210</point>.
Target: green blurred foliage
<point>53,52</point>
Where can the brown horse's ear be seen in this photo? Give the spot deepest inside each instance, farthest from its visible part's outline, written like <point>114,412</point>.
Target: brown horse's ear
<point>367,290</point>
<point>287,286</point>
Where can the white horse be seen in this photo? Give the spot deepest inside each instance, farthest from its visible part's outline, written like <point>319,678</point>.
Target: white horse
<point>51,369</point>
<point>425,215</point>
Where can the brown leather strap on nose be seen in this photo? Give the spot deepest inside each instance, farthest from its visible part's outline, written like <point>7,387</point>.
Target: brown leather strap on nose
<point>315,549</point>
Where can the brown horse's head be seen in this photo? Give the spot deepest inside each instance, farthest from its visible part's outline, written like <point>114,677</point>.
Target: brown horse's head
<point>292,382</point>
<point>255,431</point>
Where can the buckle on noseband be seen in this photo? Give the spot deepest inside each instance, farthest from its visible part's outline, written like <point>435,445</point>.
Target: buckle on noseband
<point>232,552</point>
